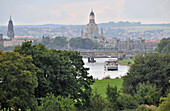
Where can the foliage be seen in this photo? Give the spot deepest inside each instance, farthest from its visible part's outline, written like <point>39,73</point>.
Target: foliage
<point>54,43</point>
<point>18,81</point>
<point>126,101</point>
<point>164,46</point>
<point>52,103</point>
<point>147,108</point>
<point>112,96</point>
<point>59,72</point>
<point>97,102</point>
<point>126,61</point>
<point>165,105</point>
<point>152,68</point>
<point>101,85</point>
<point>83,43</point>
<point>147,94</point>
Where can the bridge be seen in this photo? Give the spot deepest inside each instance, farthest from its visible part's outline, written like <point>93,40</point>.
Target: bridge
<point>103,53</point>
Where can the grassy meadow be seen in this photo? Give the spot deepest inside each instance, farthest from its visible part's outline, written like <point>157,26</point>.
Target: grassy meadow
<point>126,62</point>
<point>101,85</point>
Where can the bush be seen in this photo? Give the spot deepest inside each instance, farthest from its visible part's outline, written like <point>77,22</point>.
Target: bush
<point>147,94</point>
<point>52,103</point>
<point>165,105</point>
<point>97,102</point>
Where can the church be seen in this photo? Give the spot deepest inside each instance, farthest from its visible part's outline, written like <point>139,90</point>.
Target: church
<point>92,31</point>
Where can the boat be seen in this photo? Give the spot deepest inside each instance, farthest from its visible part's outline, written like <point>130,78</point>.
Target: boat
<point>111,65</point>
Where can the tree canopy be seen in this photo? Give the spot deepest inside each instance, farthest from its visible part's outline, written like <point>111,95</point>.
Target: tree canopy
<point>83,43</point>
<point>18,81</point>
<point>152,68</point>
<point>60,72</point>
<point>164,46</point>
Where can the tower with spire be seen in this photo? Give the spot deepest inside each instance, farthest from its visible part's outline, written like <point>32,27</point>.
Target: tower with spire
<point>10,32</point>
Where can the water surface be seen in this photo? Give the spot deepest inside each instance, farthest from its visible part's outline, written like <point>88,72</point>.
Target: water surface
<point>97,69</point>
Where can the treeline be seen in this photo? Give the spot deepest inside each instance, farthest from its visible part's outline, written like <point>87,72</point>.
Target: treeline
<point>73,43</point>
<point>164,46</point>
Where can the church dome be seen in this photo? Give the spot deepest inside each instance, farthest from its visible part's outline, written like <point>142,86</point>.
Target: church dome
<point>92,13</point>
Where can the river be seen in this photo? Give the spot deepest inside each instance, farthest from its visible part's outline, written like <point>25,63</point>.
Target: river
<point>97,69</point>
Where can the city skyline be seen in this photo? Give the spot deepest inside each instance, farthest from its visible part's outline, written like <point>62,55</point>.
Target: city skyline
<point>75,12</point>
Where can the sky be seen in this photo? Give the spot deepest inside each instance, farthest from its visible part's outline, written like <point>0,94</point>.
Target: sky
<point>76,12</point>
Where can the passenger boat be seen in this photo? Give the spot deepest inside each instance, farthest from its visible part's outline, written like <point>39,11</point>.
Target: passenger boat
<point>111,65</point>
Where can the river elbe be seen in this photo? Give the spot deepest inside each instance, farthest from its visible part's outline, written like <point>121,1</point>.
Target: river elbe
<point>97,69</point>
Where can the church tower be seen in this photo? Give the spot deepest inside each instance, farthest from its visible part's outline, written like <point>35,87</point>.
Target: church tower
<point>10,32</point>
<point>92,17</point>
<point>92,28</point>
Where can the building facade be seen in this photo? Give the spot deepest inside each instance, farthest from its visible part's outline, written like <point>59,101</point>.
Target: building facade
<point>126,45</point>
<point>10,32</point>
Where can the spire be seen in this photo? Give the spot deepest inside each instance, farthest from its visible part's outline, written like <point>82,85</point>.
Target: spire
<point>10,17</point>
<point>82,32</point>
<point>102,33</point>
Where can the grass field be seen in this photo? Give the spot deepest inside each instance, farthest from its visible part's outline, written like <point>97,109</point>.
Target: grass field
<point>101,85</point>
<point>126,61</point>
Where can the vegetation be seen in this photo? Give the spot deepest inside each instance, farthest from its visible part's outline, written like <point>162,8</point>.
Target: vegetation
<point>126,61</point>
<point>18,81</point>
<point>101,85</point>
<point>164,46</point>
<point>54,43</point>
<point>52,103</point>
<point>36,78</point>
<point>83,43</point>
<point>152,68</point>
<point>165,105</point>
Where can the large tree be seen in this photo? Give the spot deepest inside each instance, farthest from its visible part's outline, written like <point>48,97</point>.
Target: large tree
<point>18,81</point>
<point>152,68</point>
<point>59,72</point>
<point>164,46</point>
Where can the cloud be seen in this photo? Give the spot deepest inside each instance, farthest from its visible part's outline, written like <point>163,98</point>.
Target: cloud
<point>77,11</point>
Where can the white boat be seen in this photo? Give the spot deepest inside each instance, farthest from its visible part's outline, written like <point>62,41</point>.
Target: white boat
<point>111,65</point>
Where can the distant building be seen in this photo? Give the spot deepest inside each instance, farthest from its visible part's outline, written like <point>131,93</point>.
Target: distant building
<point>127,45</point>
<point>92,29</point>
<point>1,38</point>
<point>10,32</point>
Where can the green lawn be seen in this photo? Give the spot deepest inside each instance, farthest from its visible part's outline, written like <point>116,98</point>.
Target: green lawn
<point>126,61</point>
<point>101,85</point>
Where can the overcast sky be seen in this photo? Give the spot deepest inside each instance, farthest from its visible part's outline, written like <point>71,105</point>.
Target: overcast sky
<point>33,12</point>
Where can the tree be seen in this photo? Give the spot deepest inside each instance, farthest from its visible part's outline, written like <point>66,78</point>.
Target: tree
<point>112,95</point>
<point>83,43</point>
<point>18,81</point>
<point>152,68</point>
<point>165,105</point>
<point>54,43</point>
<point>52,103</point>
<point>59,72</point>
<point>147,94</point>
<point>164,46</point>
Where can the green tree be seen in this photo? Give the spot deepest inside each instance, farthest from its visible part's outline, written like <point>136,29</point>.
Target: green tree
<point>126,102</point>
<point>59,72</point>
<point>147,94</point>
<point>54,43</point>
<point>83,43</point>
<point>152,68</point>
<point>112,96</point>
<point>52,103</point>
<point>165,105</point>
<point>164,46</point>
<point>97,102</point>
<point>18,81</point>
